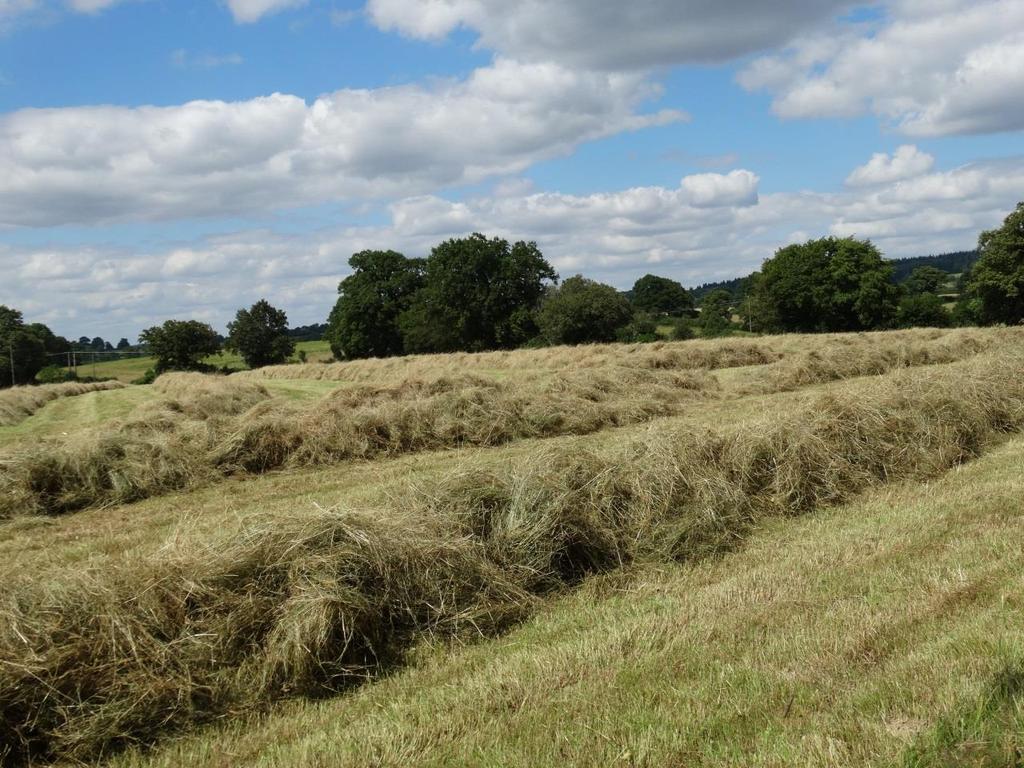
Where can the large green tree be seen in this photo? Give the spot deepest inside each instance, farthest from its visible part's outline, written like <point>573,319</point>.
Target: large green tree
<point>581,311</point>
<point>23,345</point>
<point>364,321</point>
<point>478,293</point>
<point>260,335</point>
<point>181,345</point>
<point>660,295</point>
<point>996,284</point>
<point>831,284</point>
<point>922,310</point>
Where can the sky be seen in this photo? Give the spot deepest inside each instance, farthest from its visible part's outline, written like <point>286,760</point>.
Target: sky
<point>182,159</point>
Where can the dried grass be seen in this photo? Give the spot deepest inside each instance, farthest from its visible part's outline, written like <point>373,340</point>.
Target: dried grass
<point>307,605</point>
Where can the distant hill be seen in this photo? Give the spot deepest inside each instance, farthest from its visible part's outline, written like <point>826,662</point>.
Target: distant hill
<point>953,263</point>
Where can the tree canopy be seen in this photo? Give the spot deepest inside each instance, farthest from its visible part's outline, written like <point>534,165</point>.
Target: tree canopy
<point>364,321</point>
<point>19,342</point>
<point>660,295</point>
<point>181,345</point>
<point>581,311</point>
<point>715,313</point>
<point>996,283</point>
<point>478,293</point>
<point>831,284</point>
<point>925,280</point>
<point>260,335</point>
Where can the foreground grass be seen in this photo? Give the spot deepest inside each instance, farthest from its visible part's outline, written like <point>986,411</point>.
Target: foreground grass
<point>873,634</point>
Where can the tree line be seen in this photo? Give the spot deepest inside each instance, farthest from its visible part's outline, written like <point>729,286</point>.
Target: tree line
<point>477,293</point>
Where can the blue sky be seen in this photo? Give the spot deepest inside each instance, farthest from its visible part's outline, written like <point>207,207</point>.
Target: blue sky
<point>184,159</point>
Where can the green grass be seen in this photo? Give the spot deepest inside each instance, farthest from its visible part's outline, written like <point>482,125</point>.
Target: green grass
<point>844,639</point>
<point>130,369</point>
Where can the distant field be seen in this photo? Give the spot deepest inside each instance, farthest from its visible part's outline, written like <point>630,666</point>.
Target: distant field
<point>792,550</point>
<point>131,368</point>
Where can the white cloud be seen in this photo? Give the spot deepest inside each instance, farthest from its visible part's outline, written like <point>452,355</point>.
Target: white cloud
<point>248,11</point>
<point>207,158</point>
<point>91,6</point>
<point>183,59</point>
<point>610,34</point>
<point>614,236</point>
<point>930,69</point>
<point>905,163</point>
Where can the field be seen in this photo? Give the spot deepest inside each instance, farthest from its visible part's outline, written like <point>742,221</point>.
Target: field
<point>793,550</point>
<point>129,369</point>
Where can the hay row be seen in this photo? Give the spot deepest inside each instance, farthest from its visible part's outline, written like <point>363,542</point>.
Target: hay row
<point>689,355</point>
<point>18,403</point>
<point>212,426</point>
<point>309,605</point>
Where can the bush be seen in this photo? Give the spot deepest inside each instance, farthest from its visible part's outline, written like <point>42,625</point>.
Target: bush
<point>642,329</point>
<point>922,310</point>
<point>147,378</point>
<point>55,374</point>
<point>682,329</point>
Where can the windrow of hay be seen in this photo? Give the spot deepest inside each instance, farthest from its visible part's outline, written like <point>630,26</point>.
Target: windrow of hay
<point>688,355</point>
<point>161,447</point>
<point>845,357</point>
<point>210,426</point>
<point>93,660</point>
<point>18,403</point>
<point>452,411</point>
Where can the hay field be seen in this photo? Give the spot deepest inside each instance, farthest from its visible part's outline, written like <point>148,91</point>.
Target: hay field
<point>242,547</point>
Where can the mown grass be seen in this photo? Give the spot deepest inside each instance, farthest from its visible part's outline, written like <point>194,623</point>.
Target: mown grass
<point>19,403</point>
<point>312,605</point>
<point>878,633</point>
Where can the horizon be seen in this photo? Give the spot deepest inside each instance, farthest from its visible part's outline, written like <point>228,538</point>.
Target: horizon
<point>184,160</point>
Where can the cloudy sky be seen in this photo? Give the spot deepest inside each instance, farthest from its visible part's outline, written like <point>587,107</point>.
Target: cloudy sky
<point>183,158</point>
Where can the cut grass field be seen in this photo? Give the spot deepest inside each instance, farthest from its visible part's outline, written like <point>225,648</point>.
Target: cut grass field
<point>866,635</point>
<point>638,591</point>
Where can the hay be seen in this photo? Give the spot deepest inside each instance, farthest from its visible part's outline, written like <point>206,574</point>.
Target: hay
<point>308,605</point>
<point>18,403</point>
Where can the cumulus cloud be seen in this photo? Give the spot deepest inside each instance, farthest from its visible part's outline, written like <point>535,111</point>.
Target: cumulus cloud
<point>702,229</point>
<point>905,163</point>
<point>610,34</point>
<point>930,69</point>
<point>207,158</point>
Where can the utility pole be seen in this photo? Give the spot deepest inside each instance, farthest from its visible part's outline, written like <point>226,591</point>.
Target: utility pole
<point>10,349</point>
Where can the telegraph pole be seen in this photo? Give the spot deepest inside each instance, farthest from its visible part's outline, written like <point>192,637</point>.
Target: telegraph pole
<point>10,349</point>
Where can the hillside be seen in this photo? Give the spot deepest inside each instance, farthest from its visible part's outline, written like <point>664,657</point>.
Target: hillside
<point>774,551</point>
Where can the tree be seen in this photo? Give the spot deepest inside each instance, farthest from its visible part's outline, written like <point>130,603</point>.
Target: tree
<point>925,280</point>
<point>829,284</point>
<point>260,335</point>
<point>997,279</point>
<point>181,345</point>
<point>477,294</point>
<point>98,344</point>
<point>715,313</point>
<point>364,321</point>
<point>123,344</point>
<point>581,311</point>
<point>20,343</point>
<point>660,295</point>
<point>922,310</point>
